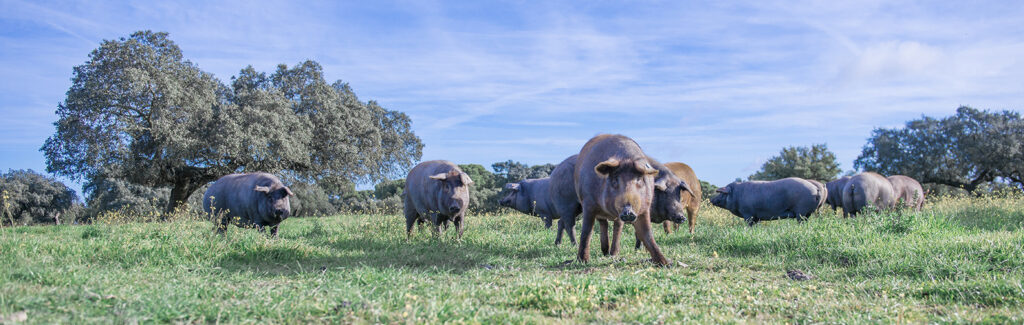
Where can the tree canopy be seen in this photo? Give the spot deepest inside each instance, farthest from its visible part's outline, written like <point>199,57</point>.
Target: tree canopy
<point>139,111</point>
<point>815,162</point>
<point>965,150</point>
<point>511,171</point>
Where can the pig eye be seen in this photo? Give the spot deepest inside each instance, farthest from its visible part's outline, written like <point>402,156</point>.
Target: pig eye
<point>614,182</point>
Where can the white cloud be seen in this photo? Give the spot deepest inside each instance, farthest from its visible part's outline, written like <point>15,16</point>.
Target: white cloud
<point>720,84</point>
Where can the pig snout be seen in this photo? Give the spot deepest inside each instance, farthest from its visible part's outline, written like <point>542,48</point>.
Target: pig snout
<point>679,218</point>
<point>627,215</point>
<point>454,206</point>
<point>280,212</point>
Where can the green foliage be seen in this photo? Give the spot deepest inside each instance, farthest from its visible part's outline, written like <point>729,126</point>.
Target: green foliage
<point>707,190</point>
<point>957,261</point>
<point>541,171</point>
<point>107,194</point>
<point>815,162</point>
<point>480,176</point>
<point>510,171</point>
<point>389,188</point>
<point>365,202</point>
<point>966,150</point>
<point>310,200</point>
<point>27,197</point>
<point>513,171</point>
<point>487,187</point>
<point>140,112</point>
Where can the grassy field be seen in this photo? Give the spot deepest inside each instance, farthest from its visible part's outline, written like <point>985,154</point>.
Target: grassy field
<point>956,261</point>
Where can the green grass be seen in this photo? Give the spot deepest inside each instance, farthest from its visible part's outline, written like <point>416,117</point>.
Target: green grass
<point>956,261</point>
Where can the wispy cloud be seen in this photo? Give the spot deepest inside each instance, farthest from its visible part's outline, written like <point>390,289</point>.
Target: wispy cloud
<point>722,86</point>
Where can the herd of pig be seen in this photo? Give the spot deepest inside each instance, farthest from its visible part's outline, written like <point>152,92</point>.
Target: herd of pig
<point>611,180</point>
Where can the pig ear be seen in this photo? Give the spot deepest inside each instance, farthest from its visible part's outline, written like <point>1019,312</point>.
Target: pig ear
<point>645,168</point>
<point>606,167</point>
<point>440,177</point>
<point>723,190</point>
<point>263,189</point>
<point>685,187</point>
<point>466,180</point>
<point>512,186</point>
<point>661,184</point>
<point>289,191</point>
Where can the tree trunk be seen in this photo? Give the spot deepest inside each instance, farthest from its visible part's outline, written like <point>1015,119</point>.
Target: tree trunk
<point>180,193</point>
<point>186,180</point>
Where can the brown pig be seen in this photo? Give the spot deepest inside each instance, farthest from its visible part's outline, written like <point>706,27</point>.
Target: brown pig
<point>615,182</point>
<point>691,199</point>
<point>667,206</point>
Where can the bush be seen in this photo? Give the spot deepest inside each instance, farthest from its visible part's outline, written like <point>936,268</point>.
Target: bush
<point>32,198</point>
<point>109,195</point>
<point>310,200</point>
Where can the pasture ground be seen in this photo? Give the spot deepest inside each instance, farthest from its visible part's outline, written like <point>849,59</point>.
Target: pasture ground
<point>957,261</point>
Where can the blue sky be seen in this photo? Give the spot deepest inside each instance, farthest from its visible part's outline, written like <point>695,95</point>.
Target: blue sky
<point>721,86</point>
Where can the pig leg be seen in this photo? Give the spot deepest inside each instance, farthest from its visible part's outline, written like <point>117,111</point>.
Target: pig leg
<point>570,229</point>
<point>583,254</point>
<point>566,222</point>
<point>547,221</point>
<point>643,231</point>
<point>435,220</point>
<point>408,227</point>
<point>222,224</point>
<point>411,217</point>
<point>273,231</point>
<point>561,228</point>
<point>458,225</point>
<point>691,217</point>
<point>409,221</point>
<point>616,235</point>
<point>668,226</point>
<point>603,232</point>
